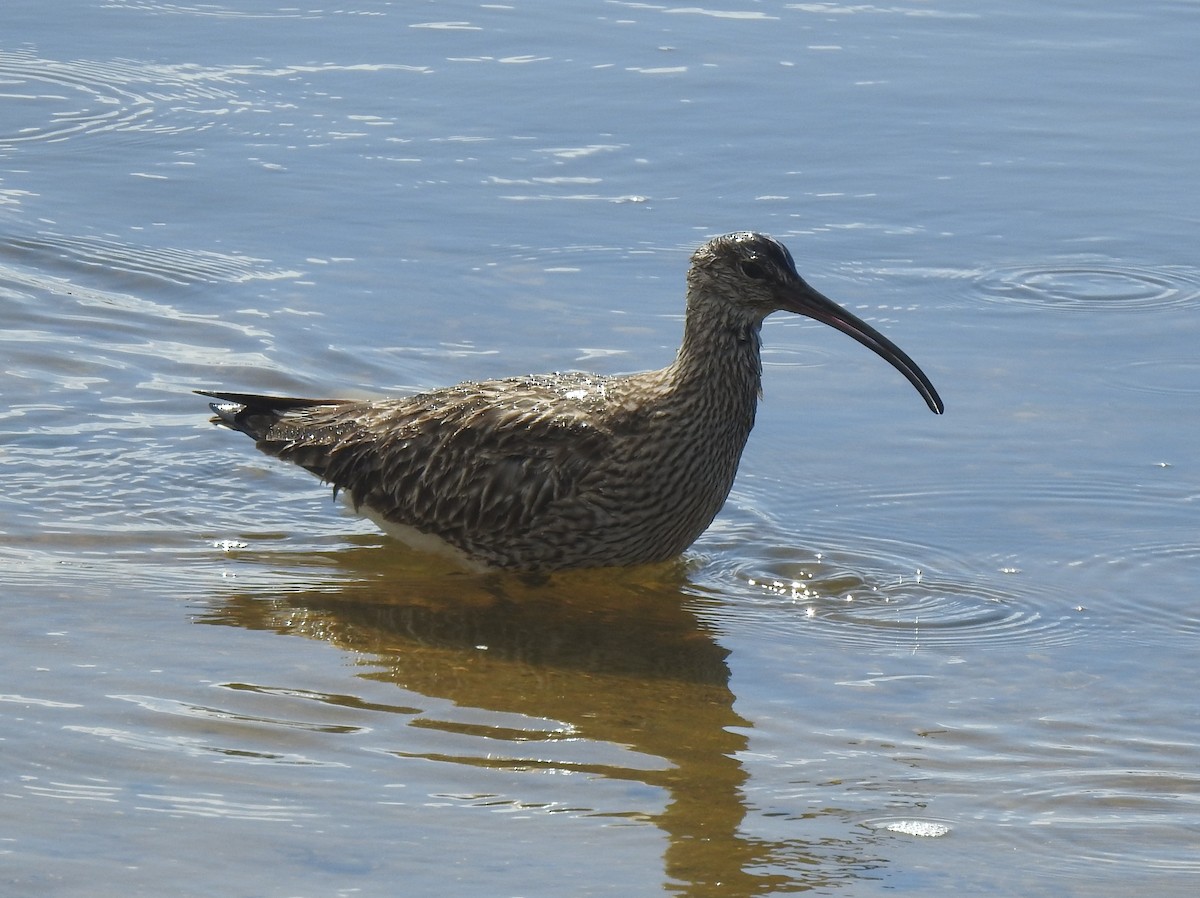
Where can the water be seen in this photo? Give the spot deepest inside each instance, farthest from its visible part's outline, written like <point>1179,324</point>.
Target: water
<point>914,655</point>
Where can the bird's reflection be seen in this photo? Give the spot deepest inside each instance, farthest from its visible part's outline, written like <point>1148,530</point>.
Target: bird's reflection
<point>623,658</point>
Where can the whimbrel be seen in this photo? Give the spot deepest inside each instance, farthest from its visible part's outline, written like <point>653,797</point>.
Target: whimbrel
<point>571,470</point>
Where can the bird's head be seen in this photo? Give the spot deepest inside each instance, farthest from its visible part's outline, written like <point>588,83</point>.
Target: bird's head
<point>751,275</point>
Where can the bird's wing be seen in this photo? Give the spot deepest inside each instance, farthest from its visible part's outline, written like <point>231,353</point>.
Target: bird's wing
<point>464,460</point>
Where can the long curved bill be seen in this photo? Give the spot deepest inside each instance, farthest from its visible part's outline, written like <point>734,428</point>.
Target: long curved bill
<point>812,304</point>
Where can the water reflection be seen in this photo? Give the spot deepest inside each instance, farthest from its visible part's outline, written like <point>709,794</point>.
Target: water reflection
<point>611,675</point>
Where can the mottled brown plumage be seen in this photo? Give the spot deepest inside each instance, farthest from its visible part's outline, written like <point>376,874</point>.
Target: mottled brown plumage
<point>568,470</point>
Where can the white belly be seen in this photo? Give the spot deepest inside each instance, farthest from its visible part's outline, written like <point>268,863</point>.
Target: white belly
<point>422,542</point>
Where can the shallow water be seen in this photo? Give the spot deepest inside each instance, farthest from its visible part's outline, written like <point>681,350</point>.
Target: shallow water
<point>911,650</point>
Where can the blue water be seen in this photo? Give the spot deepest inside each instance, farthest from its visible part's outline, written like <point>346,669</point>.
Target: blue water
<point>914,655</point>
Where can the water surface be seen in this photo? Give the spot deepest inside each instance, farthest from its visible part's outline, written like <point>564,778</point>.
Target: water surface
<point>910,650</point>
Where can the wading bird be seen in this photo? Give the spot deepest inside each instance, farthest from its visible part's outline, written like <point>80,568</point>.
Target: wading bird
<point>573,470</point>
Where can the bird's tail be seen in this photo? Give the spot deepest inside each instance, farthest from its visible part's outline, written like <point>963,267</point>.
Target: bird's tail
<point>254,415</point>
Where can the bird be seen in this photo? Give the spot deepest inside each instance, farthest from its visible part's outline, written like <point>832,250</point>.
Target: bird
<point>561,471</point>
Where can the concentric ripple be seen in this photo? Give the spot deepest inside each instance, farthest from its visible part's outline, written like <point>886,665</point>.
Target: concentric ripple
<point>52,100</point>
<point>1092,285</point>
<point>854,568</point>
<point>1174,377</point>
<point>882,592</point>
<point>1149,589</point>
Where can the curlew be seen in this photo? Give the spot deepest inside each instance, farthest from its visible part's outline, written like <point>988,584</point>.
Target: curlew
<point>571,470</point>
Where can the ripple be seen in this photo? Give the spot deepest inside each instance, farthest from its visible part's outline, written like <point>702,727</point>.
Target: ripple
<point>1175,377</point>
<point>208,805</point>
<point>76,314</point>
<point>197,747</point>
<point>1112,812</point>
<point>92,790</point>
<point>1091,286</point>
<point>854,569</point>
<point>213,10</point>
<point>53,100</point>
<point>190,709</point>
<point>166,264</point>
<point>1150,615</point>
<point>1069,790</point>
<point>883,592</point>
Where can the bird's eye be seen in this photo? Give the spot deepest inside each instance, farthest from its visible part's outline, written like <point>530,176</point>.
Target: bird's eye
<point>754,270</point>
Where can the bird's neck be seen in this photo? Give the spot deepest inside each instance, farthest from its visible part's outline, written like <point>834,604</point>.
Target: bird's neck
<point>719,364</point>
